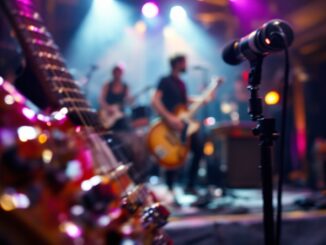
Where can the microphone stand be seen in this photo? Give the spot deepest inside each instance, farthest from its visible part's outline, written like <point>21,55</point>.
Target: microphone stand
<point>89,75</point>
<point>266,132</point>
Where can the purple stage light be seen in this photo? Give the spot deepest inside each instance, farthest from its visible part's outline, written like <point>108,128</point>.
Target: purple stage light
<point>150,10</point>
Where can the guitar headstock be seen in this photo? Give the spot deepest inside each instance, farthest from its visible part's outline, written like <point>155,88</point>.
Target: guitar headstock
<point>216,82</point>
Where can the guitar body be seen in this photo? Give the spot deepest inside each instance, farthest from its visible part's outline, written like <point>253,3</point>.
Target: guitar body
<point>69,162</point>
<point>110,115</point>
<point>169,147</point>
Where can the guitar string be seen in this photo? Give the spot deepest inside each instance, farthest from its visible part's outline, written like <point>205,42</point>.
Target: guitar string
<point>84,120</point>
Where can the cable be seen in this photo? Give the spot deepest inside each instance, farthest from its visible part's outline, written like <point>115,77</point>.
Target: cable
<point>282,145</point>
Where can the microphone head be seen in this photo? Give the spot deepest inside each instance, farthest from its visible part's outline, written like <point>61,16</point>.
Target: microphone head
<point>230,54</point>
<point>276,35</point>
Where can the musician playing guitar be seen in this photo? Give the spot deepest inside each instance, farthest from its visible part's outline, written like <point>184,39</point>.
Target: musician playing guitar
<point>114,97</point>
<point>171,93</point>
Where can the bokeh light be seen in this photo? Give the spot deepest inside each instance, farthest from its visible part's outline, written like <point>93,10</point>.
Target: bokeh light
<point>150,10</point>
<point>178,13</point>
<point>272,98</point>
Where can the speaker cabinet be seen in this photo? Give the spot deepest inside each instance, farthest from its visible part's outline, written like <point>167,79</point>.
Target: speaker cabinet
<point>236,155</point>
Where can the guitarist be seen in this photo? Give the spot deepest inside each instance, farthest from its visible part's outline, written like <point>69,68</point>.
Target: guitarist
<point>170,93</point>
<point>114,97</point>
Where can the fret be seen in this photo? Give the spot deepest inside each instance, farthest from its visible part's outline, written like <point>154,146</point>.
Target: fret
<point>62,90</point>
<point>50,57</point>
<point>22,20</point>
<point>76,107</point>
<point>49,44</point>
<point>68,96</point>
<point>82,109</point>
<point>74,100</point>
<point>57,71</point>
<point>36,32</point>
<point>48,62</point>
<point>45,51</point>
<point>66,81</point>
<point>32,16</point>
<point>55,68</point>
<point>36,36</point>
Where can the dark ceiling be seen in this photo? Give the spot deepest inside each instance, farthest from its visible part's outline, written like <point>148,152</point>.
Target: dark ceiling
<point>220,17</point>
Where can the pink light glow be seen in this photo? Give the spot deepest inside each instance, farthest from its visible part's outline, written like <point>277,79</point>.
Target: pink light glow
<point>150,10</point>
<point>43,118</point>
<point>301,143</point>
<point>28,113</point>
<point>71,229</point>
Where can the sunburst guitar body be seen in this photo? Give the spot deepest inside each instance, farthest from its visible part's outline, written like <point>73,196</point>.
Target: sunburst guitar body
<point>170,147</point>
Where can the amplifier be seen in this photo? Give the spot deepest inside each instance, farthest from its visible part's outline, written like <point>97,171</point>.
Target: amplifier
<point>235,157</point>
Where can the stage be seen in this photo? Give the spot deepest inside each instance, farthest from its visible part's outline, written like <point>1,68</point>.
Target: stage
<point>237,218</point>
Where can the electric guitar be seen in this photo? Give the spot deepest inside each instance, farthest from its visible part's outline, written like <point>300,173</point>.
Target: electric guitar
<point>108,191</point>
<point>169,147</point>
<point>110,114</point>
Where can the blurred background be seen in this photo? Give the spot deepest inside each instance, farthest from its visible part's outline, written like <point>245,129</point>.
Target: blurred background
<point>141,36</point>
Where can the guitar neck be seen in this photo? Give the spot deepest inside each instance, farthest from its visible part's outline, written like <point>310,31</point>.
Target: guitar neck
<point>46,62</point>
<point>208,92</point>
<point>194,108</point>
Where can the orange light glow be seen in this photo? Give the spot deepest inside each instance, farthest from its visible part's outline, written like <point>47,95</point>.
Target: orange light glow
<point>209,148</point>
<point>42,138</point>
<point>272,98</point>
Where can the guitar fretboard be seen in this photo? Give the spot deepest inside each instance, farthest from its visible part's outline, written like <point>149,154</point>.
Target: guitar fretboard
<point>47,63</point>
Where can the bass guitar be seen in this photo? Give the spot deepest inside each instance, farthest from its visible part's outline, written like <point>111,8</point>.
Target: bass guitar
<point>170,147</point>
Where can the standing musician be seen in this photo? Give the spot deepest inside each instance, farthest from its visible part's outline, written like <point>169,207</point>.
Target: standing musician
<point>113,99</point>
<point>170,93</point>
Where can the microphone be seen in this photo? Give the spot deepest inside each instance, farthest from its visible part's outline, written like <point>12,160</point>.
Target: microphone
<point>94,67</point>
<point>199,67</point>
<point>271,37</point>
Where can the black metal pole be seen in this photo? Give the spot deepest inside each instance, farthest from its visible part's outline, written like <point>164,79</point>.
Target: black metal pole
<point>265,129</point>
<point>266,132</point>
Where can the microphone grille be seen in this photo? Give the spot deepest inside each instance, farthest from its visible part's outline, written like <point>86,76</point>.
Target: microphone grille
<point>230,54</point>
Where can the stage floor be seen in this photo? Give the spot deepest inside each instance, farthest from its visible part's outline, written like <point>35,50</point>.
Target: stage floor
<point>236,218</point>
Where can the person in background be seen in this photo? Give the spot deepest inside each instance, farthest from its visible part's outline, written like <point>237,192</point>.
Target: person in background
<point>170,93</point>
<point>113,100</point>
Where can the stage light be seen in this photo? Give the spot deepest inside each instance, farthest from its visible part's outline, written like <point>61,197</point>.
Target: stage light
<point>150,10</point>
<point>272,98</point>
<point>178,13</point>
